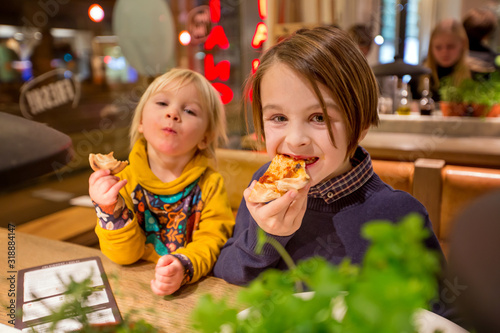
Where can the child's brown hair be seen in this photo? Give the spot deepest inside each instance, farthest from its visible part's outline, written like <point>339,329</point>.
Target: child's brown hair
<point>325,55</point>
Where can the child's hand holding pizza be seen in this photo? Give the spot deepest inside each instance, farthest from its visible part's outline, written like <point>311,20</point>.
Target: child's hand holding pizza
<point>286,184</point>
<point>104,186</point>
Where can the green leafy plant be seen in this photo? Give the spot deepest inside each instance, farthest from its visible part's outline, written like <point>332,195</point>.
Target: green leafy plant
<point>76,296</point>
<point>397,277</point>
<point>478,95</point>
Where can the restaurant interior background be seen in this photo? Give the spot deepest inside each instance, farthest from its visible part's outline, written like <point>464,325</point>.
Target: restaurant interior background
<point>81,71</point>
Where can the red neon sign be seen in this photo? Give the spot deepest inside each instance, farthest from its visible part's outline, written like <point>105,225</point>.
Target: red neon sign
<point>226,94</point>
<point>221,70</point>
<point>213,71</point>
<point>260,35</point>
<point>262,9</point>
<point>218,37</point>
<point>214,10</point>
<point>255,64</point>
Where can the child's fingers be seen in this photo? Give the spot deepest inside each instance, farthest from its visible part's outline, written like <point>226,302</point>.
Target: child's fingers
<point>115,189</point>
<point>297,206</point>
<point>168,271</point>
<point>280,205</point>
<point>165,260</point>
<point>247,191</point>
<point>95,176</point>
<point>160,289</point>
<point>162,278</point>
<point>299,201</point>
<point>166,266</point>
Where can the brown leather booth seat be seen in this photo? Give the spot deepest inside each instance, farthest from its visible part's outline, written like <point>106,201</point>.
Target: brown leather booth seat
<point>399,175</point>
<point>461,186</point>
<point>237,167</point>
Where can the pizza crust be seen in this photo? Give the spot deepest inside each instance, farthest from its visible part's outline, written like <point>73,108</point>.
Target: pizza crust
<point>282,175</point>
<point>106,162</point>
<point>261,193</point>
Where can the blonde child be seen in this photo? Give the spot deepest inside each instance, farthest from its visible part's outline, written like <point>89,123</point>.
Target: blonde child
<point>168,206</point>
<point>447,56</point>
<point>314,98</point>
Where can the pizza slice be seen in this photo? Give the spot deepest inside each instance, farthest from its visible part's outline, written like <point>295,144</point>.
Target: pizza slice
<point>283,174</point>
<point>106,162</point>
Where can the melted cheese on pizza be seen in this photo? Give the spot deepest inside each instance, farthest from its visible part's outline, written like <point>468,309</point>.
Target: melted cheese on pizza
<point>283,167</point>
<point>283,174</point>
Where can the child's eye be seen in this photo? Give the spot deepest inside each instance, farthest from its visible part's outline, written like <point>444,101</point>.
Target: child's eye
<point>318,118</point>
<point>191,112</point>
<point>278,118</point>
<point>162,103</point>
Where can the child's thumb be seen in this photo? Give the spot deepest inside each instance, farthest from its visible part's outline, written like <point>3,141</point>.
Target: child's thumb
<point>165,260</point>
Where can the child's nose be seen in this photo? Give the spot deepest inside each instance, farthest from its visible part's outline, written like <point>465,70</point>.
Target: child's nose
<point>297,137</point>
<point>172,114</point>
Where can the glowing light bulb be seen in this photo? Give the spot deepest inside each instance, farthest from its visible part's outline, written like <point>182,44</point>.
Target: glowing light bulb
<point>184,37</point>
<point>96,13</point>
<point>379,40</point>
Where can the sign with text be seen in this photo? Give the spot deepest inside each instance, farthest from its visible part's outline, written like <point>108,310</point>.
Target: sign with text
<point>49,91</point>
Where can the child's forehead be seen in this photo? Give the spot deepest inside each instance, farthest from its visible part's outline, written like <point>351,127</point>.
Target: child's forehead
<point>173,86</point>
<point>446,36</point>
<point>284,77</point>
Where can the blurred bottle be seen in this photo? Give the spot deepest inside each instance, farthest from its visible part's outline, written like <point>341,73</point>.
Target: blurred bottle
<point>427,105</point>
<point>404,100</point>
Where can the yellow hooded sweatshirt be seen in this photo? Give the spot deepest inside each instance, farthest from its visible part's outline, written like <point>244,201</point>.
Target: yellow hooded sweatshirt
<point>189,217</point>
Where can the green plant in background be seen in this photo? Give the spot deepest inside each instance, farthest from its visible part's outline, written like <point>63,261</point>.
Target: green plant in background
<point>481,90</point>
<point>397,277</point>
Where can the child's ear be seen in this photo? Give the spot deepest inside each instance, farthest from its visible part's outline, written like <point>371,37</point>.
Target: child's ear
<point>140,128</point>
<point>363,134</point>
<point>203,144</point>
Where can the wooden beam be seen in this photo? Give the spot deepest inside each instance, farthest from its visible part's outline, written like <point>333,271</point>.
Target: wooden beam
<point>427,187</point>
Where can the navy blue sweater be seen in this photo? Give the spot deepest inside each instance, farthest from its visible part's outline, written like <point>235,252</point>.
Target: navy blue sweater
<point>332,231</point>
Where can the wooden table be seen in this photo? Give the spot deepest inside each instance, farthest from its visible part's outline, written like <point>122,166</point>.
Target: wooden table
<point>130,287</point>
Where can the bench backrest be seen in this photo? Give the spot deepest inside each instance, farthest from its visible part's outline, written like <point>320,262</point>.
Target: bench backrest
<point>461,186</point>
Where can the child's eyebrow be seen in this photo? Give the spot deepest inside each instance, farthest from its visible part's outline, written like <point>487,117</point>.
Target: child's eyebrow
<point>328,105</point>
<point>163,93</point>
<point>271,107</point>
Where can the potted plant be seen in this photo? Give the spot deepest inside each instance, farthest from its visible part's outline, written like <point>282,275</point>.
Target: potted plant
<point>478,97</point>
<point>396,279</point>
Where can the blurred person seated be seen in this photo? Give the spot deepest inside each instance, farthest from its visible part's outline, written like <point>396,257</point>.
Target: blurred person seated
<point>362,35</point>
<point>10,78</point>
<point>446,57</point>
<point>43,54</point>
<point>479,24</point>
<point>473,275</point>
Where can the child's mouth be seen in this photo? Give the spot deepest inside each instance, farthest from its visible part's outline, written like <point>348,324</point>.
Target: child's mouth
<point>169,130</point>
<point>311,160</point>
<point>308,161</point>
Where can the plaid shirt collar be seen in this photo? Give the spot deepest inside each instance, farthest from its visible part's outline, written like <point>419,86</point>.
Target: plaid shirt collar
<point>343,185</point>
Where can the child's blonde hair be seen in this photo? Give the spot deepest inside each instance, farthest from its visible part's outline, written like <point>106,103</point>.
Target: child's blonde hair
<point>210,100</point>
<point>461,70</point>
<point>325,55</point>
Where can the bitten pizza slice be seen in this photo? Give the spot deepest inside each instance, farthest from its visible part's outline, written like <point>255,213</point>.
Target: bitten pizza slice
<point>283,174</point>
<point>106,162</point>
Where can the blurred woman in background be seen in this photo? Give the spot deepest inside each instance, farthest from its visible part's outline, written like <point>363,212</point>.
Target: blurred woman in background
<point>446,57</point>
